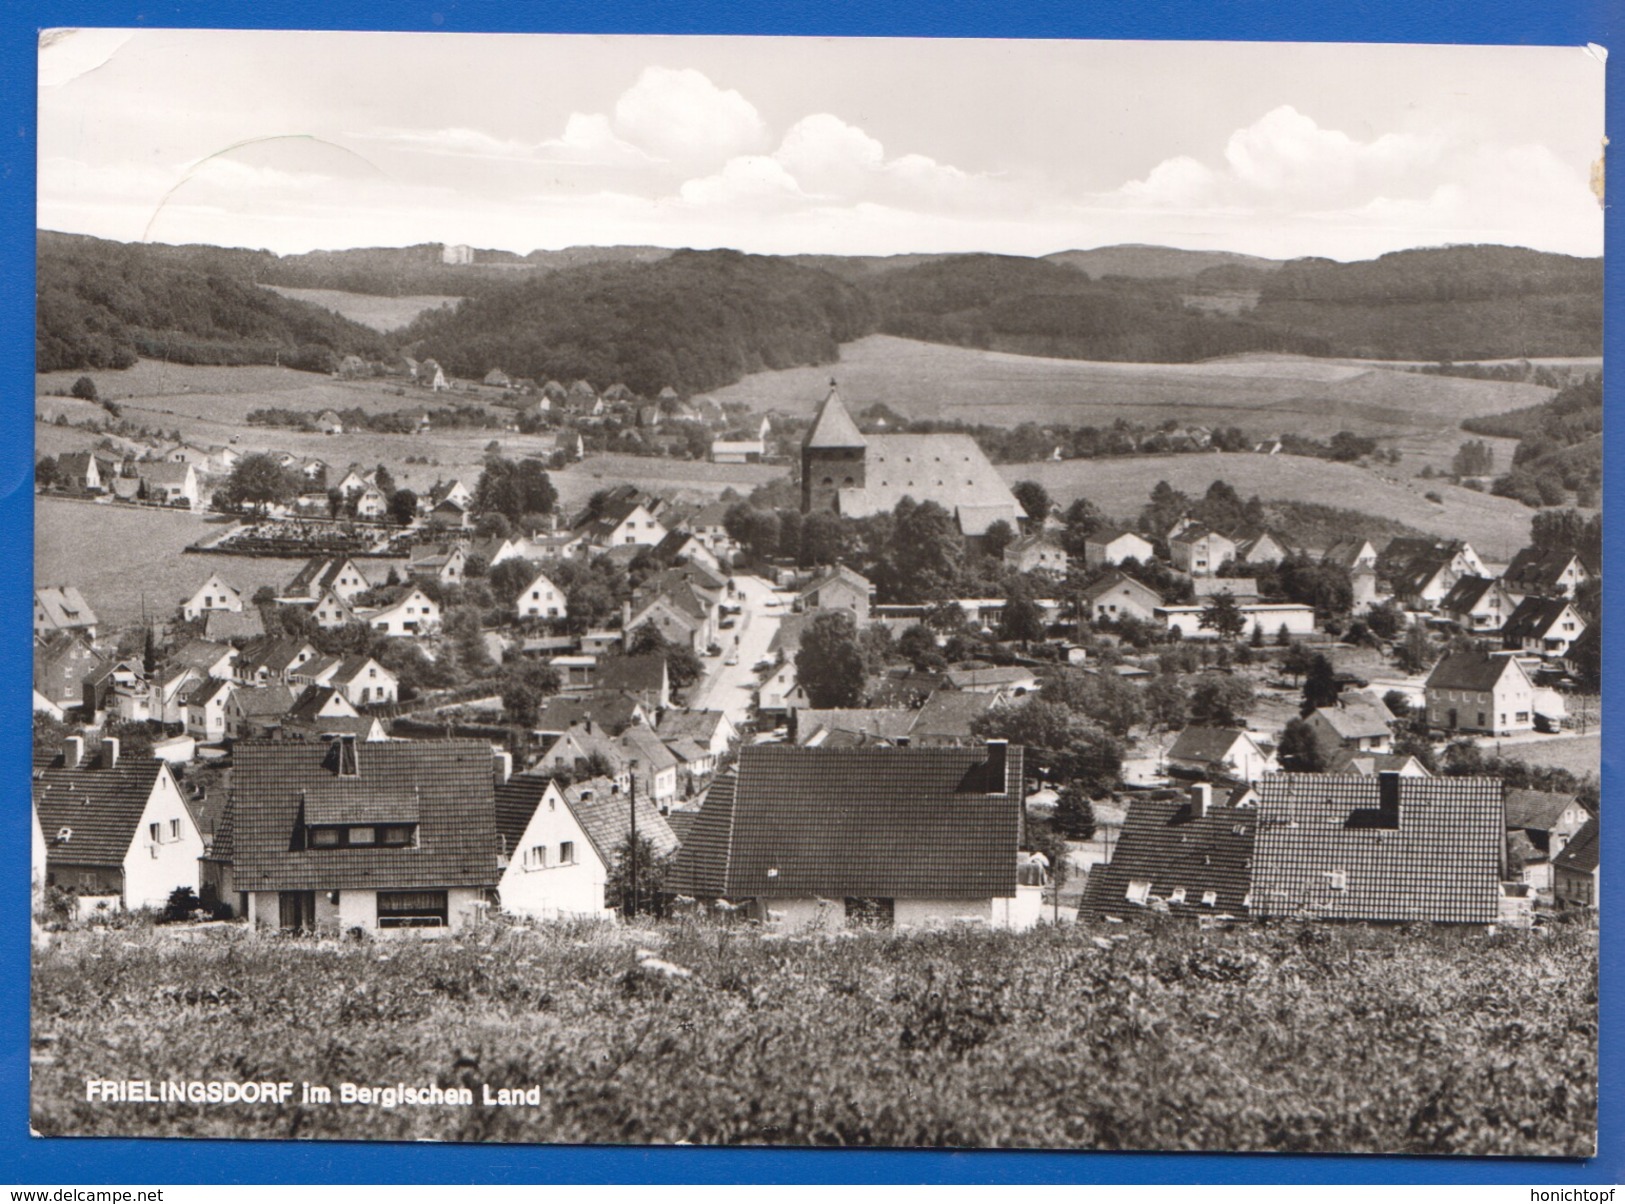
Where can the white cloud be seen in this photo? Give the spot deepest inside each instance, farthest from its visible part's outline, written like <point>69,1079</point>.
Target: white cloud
<point>748,179</point>
<point>682,116</point>
<point>826,155</point>
<point>590,139</point>
<point>458,141</point>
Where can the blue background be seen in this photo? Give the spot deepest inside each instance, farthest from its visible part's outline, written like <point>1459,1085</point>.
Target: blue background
<point>65,1161</point>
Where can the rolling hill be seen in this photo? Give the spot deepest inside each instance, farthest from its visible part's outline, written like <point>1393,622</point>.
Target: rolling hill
<point>1152,263</point>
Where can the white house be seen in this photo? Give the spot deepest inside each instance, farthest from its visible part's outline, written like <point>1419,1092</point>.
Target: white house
<point>560,846</point>
<point>213,594</point>
<point>1200,550</point>
<point>206,710</point>
<point>1114,547</point>
<point>1221,752</point>
<point>1269,617</point>
<point>541,599</point>
<point>412,614</point>
<point>1481,692</point>
<point>116,830</point>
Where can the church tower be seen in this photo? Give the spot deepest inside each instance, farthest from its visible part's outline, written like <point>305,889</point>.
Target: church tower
<point>833,457</point>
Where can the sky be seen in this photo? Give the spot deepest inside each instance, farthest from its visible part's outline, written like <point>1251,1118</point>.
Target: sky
<point>302,141</point>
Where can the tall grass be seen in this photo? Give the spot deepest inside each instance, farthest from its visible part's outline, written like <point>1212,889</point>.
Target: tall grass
<point>1268,1038</point>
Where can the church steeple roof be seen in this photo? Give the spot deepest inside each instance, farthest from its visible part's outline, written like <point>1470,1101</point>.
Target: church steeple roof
<point>833,425</point>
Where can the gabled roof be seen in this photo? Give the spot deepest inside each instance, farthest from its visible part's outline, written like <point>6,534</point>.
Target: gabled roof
<point>1116,581</point>
<point>1581,855</point>
<point>856,822</point>
<point>1347,551</point>
<point>319,574</point>
<point>64,606</point>
<point>839,573</point>
<point>885,723</point>
<point>101,806</point>
<point>1536,810</point>
<point>1537,570</point>
<point>634,673</point>
<point>1210,744</point>
<point>1163,845</point>
<point>61,661</point>
<point>207,690</point>
<point>680,724</point>
<point>613,711</point>
<point>168,472</point>
<point>1534,617</point>
<point>1327,848</point>
<point>306,708</point>
<point>1354,760</point>
<point>687,751</point>
<point>263,702</point>
<point>351,667</point>
<point>1357,717</point>
<point>606,818</point>
<point>1110,535</point>
<point>1476,671</point>
<point>948,715</point>
<point>445,786</point>
<point>1466,593</point>
<point>1197,532</point>
<point>649,750</point>
<point>275,655</point>
<point>832,426</point>
<point>245,624</point>
<point>198,654</point>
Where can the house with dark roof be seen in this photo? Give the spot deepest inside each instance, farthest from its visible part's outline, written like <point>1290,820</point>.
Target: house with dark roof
<point>559,846</point>
<point>62,608</point>
<point>361,679</point>
<point>643,677</point>
<point>1384,849</point>
<point>1487,692</point>
<point>273,659</point>
<point>117,830</point>
<point>1545,627</point>
<point>206,709</point>
<point>226,625</point>
<point>1223,753</point>
<point>817,838</point>
<point>712,730</point>
<point>80,470</point>
<point>624,517</point>
<point>254,711</point>
<point>1540,825</point>
<point>213,594</point>
<point>322,574</point>
<point>1200,550</point>
<point>1546,573</point>
<point>445,563</point>
<point>1262,547</point>
<point>541,599</point>
<point>947,716</point>
<point>1118,596</point>
<point>844,471</point>
<point>1369,764</point>
<point>1003,681</point>
<point>387,838</point>
<point>407,613</point>
<point>62,662</point>
<point>322,713</point>
<point>815,727</point>
<point>1188,856</point>
<point>612,711</point>
<point>118,690</point>
<point>1351,554</point>
<point>1036,553</point>
<point>171,484</point>
<point>1577,870</point>
<point>1478,605</point>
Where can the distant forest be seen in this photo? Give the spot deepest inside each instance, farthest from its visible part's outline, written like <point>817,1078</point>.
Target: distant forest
<point>697,320</point>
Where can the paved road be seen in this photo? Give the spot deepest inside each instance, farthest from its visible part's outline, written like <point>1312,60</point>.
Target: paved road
<point>731,688</point>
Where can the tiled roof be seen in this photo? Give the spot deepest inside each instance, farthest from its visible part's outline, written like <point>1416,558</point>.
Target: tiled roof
<point>839,572</point>
<point>1162,845</point>
<point>1357,717</point>
<point>1477,671</point>
<point>168,472</point>
<point>263,702</point>
<point>1346,551</point>
<point>634,673</point>
<point>1211,744</point>
<point>1116,581</point>
<point>245,624</point>
<point>614,712</point>
<point>1354,760</point>
<point>198,654</point>
<point>861,822</point>
<point>448,782</point>
<point>687,751</point>
<point>678,723</point>
<point>1537,570</point>
<point>101,806</point>
<point>205,690</point>
<point>888,723</point>
<point>681,822</point>
<point>61,663</point>
<point>1326,848</point>
<point>948,715</point>
<point>1535,810</point>
<point>307,707</point>
<point>1467,593</point>
<point>607,820</point>
<point>274,655</point>
<point>832,426</point>
<point>1534,617</point>
<point>64,606</point>
<point>649,750</point>
<point>1581,854</point>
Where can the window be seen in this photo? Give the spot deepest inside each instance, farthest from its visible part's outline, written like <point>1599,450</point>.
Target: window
<point>174,829</point>
<point>1523,716</point>
<point>1481,719</point>
<point>152,832</point>
<point>871,913</point>
<point>324,838</point>
<point>412,909</point>
<point>396,835</point>
<point>1177,895</point>
<point>1337,880</point>
<point>1210,898</point>
<point>536,857</point>
<point>567,852</point>
<point>1138,891</point>
<point>362,836</point>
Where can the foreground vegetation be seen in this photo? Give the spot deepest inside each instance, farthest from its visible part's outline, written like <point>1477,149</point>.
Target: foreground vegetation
<point>1291,1038</point>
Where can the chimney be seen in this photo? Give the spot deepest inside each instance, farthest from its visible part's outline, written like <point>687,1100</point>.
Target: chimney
<point>1201,796</point>
<point>349,766</point>
<point>73,752</point>
<point>503,768</point>
<point>1388,798</point>
<point>109,752</point>
<point>997,758</point>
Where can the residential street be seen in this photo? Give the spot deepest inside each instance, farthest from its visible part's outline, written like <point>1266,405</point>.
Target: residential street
<point>730,688</point>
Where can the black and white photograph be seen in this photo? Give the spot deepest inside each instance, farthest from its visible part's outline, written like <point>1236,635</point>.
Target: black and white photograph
<point>787,591</point>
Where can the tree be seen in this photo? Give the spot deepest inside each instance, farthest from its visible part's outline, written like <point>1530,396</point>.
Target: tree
<point>1320,685</point>
<point>1166,704</point>
<point>1034,499</point>
<point>84,389</point>
<point>258,480</point>
<point>1022,619</point>
<point>1416,653</point>
<point>1399,706</point>
<point>829,666</point>
<point>1297,661</point>
<point>403,506</point>
<point>1385,621</point>
<point>1223,615</point>
<point>45,472</point>
<point>918,646</point>
<point>1057,740</point>
<point>925,554</point>
<point>1300,748</point>
<point>998,536</point>
<point>524,688</point>
<point>1104,698</point>
<point>1219,700</point>
<point>651,875</point>
<point>1473,459</point>
<point>683,667</point>
<point>1074,814</point>
<point>384,479</point>
<point>1083,519</point>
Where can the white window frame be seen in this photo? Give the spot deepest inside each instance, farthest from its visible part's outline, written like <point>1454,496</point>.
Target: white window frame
<point>1139,891</point>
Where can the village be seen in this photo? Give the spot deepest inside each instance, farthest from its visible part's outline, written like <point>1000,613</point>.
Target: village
<point>887,690</point>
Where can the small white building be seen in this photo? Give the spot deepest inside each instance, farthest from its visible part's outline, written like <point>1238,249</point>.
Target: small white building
<point>541,599</point>
<point>1269,617</point>
<point>213,594</point>
<point>411,615</point>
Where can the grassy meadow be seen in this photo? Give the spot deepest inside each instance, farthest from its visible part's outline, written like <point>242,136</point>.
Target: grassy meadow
<point>381,313</point>
<point>1284,1038</point>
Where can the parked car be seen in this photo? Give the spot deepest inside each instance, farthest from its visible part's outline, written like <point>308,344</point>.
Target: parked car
<point>1548,723</point>
<point>728,622</point>
<point>732,658</point>
<point>713,650</point>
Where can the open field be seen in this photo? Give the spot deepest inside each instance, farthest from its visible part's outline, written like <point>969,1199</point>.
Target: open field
<point>1577,754</point>
<point>1496,527</point>
<point>125,557</point>
<point>1262,394</point>
<point>380,313</point>
<point>1287,1037</point>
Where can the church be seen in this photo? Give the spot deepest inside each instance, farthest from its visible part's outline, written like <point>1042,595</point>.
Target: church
<point>855,475</point>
